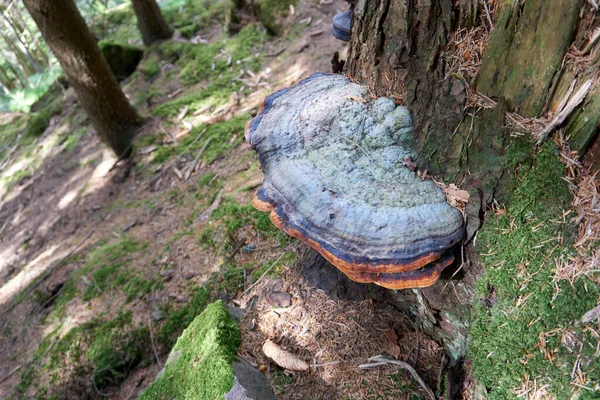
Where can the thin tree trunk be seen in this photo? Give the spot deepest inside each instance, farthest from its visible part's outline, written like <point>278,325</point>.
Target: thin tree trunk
<point>18,76</point>
<point>151,22</point>
<point>21,58</point>
<point>6,81</point>
<point>20,42</point>
<point>28,38</point>
<point>113,117</point>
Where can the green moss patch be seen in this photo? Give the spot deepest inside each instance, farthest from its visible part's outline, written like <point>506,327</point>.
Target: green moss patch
<point>193,15</point>
<point>524,313</point>
<point>271,12</point>
<point>207,63</point>
<point>220,136</point>
<point>203,370</point>
<point>108,348</point>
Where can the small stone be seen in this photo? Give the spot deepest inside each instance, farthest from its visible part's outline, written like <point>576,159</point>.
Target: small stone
<point>189,276</point>
<point>280,299</point>
<point>156,315</point>
<point>167,275</point>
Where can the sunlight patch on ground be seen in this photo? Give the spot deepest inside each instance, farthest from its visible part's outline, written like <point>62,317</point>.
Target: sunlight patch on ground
<point>99,176</point>
<point>29,273</point>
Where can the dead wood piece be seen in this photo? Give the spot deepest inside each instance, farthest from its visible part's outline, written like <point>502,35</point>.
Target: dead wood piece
<point>562,115</point>
<point>283,358</point>
<point>192,168</point>
<point>276,53</point>
<point>591,315</point>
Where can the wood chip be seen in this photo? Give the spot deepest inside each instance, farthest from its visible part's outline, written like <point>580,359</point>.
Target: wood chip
<point>283,358</point>
<point>316,33</point>
<point>183,113</point>
<point>148,150</point>
<point>178,173</point>
<point>356,98</point>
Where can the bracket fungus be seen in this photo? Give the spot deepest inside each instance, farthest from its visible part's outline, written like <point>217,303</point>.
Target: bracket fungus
<point>335,178</point>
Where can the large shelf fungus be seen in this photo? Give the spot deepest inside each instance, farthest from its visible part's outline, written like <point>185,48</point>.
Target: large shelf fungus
<point>336,179</point>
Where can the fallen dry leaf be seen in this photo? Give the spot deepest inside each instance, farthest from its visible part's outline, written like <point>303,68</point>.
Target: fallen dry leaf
<point>392,341</point>
<point>356,98</point>
<point>456,194</point>
<point>283,358</point>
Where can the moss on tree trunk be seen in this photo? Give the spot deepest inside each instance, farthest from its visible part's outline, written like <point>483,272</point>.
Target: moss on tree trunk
<point>114,119</point>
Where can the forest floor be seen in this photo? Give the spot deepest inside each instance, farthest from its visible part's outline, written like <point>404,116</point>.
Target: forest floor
<point>104,263</point>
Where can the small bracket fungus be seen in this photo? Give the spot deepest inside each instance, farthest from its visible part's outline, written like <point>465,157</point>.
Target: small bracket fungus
<point>336,179</point>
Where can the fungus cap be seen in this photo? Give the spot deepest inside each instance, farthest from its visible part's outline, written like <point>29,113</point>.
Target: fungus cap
<point>335,178</point>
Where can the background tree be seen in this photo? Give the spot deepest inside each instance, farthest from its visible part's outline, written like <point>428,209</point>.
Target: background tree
<point>151,22</point>
<point>113,117</point>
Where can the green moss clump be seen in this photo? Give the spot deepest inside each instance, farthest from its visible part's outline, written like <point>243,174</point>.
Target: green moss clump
<point>220,136</point>
<point>203,371</point>
<point>121,58</point>
<point>149,68</point>
<point>519,299</point>
<point>235,216</point>
<point>271,11</point>
<point>38,124</point>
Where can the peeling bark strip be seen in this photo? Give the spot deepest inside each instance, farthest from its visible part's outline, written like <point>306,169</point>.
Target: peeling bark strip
<point>96,87</point>
<point>525,52</point>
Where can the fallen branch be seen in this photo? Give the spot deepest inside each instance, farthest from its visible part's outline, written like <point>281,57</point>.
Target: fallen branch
<point>191,170</point>
<point>381,360</point>
<point>275,54</point>
<point>11,373</point>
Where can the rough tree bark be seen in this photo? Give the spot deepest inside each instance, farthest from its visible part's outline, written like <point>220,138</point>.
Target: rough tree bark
<point>151,22</point>
<point>398,48</point>
<point>113,117</point>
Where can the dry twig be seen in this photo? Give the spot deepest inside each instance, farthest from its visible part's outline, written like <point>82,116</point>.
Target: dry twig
<point>377,361</point>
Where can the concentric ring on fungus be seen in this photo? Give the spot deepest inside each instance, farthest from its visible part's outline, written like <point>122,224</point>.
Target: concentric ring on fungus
<point>335,178</point>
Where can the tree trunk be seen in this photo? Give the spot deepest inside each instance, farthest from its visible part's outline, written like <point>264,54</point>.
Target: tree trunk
<point>113,117</point>
<point>398,48</point>
<point>151,22</point>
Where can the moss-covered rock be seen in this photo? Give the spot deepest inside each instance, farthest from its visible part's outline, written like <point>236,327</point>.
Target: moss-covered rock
<point>40,121</point>
<point>270,13</point>
<point>123,59</point>
<point>201,363</point>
